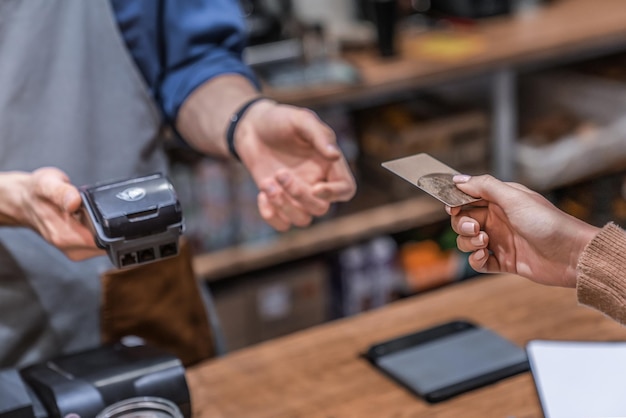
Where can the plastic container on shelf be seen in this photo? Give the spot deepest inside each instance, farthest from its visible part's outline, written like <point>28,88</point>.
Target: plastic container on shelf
<point>597,145</point>
<point>383,268</point>
<point>369,275</point>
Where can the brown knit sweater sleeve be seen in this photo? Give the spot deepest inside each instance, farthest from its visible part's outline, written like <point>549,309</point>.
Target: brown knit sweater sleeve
<point>601,273</point>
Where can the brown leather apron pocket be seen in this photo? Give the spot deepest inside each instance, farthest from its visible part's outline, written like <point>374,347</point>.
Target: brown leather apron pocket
<point>161,303</point>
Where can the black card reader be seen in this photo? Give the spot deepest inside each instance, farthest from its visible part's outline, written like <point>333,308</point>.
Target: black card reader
<point>136,220</point>
<point>84,383</point>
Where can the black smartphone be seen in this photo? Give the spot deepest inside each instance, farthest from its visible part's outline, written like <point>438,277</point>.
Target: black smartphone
<point>448,359</point>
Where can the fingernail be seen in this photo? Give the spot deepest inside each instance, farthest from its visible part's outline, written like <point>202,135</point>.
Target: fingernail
<point>461,178</point>
<point>448,210</point>
<point>467,228</point>
<point>480,254</point>
<point>478,239</point>
<point>332,148</point>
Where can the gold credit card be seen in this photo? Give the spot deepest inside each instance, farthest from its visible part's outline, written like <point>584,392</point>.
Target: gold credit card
<point>432,176</point>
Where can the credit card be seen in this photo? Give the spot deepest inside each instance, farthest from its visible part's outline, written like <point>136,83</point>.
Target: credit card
<point>432,176</point>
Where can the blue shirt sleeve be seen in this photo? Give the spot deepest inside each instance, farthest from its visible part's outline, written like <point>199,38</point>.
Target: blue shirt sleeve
<point>179,44</point>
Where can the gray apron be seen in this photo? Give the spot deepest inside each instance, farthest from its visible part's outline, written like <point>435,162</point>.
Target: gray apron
<point>70,97</point>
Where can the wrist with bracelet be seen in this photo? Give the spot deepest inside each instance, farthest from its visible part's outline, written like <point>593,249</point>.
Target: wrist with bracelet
<point>234,121</point>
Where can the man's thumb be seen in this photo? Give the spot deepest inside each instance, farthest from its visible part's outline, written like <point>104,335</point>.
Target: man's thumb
<point>54,185</point>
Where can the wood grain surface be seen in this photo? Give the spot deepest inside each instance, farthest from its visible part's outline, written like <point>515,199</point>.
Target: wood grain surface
<point>559,30</point>
<point>319,372</point>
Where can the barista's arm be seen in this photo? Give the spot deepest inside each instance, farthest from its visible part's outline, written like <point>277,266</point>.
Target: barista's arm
<point>195,70</point>
<point>291,154</point>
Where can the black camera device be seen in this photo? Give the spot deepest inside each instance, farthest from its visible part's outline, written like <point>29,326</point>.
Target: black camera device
<point>136,220</point>
<point>85,383</point>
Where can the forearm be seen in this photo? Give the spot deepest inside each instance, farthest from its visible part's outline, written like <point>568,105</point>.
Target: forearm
<point>204,116</point>
<point>601,278</point>
<point>12,186</point>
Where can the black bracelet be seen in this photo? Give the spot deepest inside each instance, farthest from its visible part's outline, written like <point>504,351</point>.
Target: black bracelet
<point>234,120</point>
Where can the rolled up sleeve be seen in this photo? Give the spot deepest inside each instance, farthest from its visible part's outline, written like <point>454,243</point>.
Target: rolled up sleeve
<point>201,40</point>
<point>180,44</point>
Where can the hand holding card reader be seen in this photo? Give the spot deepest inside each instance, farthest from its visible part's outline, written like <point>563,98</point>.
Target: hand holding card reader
<point>136,220</point>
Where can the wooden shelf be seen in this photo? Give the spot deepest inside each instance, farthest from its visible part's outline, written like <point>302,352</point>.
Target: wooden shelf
<point>558,32</point>
<point>327,235</point>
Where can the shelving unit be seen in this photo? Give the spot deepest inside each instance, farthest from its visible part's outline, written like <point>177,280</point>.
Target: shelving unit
<point>561,31</point>
<point>557,32</point>
<point>324,236</point>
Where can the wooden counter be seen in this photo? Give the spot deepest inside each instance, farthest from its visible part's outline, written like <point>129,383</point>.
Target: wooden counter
<point>318,372</point>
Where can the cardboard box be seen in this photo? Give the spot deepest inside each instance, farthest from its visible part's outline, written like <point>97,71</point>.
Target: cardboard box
<point>273,303</point>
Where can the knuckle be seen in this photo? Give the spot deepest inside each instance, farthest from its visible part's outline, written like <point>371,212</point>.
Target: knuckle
<point>476,266</point>
<point>322,209</point>
<point>296,192</point>
<point>347,193</point>
<point>268,217</point>
<point>56,239</point>
<point>277,198</point>
<point>487,178</point>
<point>44,171</point>
<point>73,256</point>
<point>281,226</point>
<point>329,133</point>
<point>344,195</point>
<point>275,222</point>
<point>460,243</point>
<point>304,221</point>
<point>309,113</point>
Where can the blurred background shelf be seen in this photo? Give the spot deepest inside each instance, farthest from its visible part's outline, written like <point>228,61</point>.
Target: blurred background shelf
<point>497,50</point>
<point>554,32</point>
<point>324,236</point>
<point>457,89</point>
